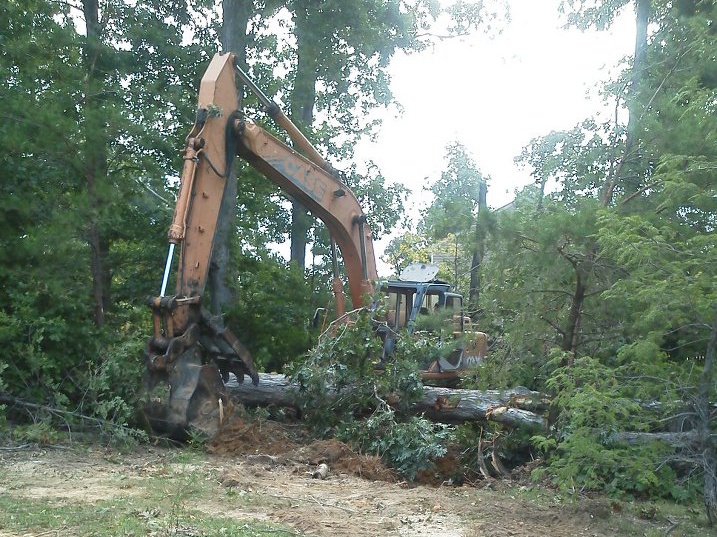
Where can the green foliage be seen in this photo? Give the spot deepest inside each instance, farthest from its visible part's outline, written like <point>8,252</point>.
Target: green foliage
<point>383,204</point>
<point>336,379</point>
<point>670,284</point>
<point>584,14</point>
<point>625,285</point>
<point>593,403</point>
<point>544,277</point>
<point>456,195</point>
<point>504,369</point>
<point>575,161</point>
<point>432,339</point>
<point>405,249</point>
<point>591,397</point>
<point>341,393</point>
<point>272,311</point>
<point>586,463</point>
<point>438,322</point>
<point>41,432</point>
<point>3,389</point>
<point>644,254</point>
<point>457,220</point>
<point>113,379</point>
<point>343,76</point>
<point>408,446</point>
<point>84,178</point>
<point>341,73</point>
<point>48,331</point>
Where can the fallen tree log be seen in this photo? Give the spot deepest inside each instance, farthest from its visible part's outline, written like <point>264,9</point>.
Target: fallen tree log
<point>508,407</point>
<point>518,407</point>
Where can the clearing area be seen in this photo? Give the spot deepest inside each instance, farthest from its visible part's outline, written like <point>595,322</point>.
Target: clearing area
<point>244,490</point>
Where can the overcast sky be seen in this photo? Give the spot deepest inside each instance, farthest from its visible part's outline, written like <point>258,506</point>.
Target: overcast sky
<point>494,95</point>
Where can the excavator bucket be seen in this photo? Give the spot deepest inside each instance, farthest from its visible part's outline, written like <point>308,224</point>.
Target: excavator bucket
<point>188,398</point>
<point>184,390</point>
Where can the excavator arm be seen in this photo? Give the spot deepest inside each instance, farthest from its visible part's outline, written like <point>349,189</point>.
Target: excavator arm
<point>191,353</point>
<point>323,194</point>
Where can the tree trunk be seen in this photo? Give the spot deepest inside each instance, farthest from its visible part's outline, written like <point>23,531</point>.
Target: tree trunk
<point>300,226</point>
<point>677,440</point>
<point>474,291</point>
<point>478,252</point>
<point>519,407</point>
<point>95,265</point>
<point>99,251</point>
<point>303,99</point>
<point>572,329</point>
<point>235,20</point>
<point>642,16</point>
<point>708,446</point>
<point>95,160</point>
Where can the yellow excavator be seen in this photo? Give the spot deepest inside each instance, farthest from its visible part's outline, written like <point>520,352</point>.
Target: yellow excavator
<point>191,353</point>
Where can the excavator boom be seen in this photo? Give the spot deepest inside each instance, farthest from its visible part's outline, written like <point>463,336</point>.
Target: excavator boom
<point>191,353</point>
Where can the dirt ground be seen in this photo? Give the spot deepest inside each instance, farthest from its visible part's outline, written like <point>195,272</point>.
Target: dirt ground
<point>270,464</point>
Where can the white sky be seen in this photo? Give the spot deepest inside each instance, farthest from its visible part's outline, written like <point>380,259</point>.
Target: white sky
<point>494,96</point>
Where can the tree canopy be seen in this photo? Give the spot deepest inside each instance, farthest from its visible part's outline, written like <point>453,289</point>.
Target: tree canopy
<point>596,285</point>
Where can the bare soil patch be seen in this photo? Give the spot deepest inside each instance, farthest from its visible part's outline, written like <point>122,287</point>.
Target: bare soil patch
<point>272,443</point>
